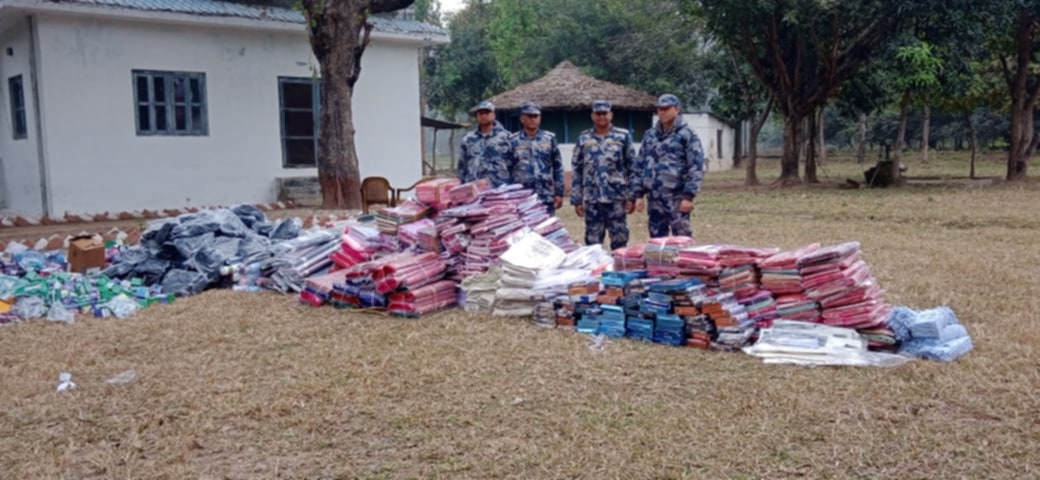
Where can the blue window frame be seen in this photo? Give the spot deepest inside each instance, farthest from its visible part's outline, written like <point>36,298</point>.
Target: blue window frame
<point>19,127</point>
<point>299,103</point>
<point>170,103</point>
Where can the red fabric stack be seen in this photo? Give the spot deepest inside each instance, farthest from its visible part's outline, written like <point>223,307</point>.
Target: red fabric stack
<point>423,300</point>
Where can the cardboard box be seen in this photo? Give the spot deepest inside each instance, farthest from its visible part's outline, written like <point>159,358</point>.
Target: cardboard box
<point>85,254</point>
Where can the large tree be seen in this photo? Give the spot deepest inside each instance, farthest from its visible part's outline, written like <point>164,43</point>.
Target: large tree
<point>339,33</point>
<point>740,98</point>
<point>802,50</point>
<point>1018,51</point>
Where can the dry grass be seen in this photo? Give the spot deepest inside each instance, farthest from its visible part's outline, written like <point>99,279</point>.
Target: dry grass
<point>257,386</point>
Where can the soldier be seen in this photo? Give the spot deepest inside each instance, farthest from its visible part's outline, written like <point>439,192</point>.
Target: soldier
<point>538,165</point>
<point>601,167</point>
<point>669,170</point>
<point>486,151</point>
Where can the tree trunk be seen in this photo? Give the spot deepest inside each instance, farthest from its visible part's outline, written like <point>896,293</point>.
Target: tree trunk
<point>925,133</point>
<point>339,33</point>
<point>738,141</point>
<point>974,141</point>
<point>792,144</point>
<point>755,127</point>
<point>1024,93</point>
<point>897,149</point>
<point>810,151</point>
<point>751,176</point>
<point>861,152</point>
<point>822,147</point>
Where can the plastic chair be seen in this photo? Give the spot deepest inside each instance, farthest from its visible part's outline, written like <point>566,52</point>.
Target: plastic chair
<point>399,191</point>
<point>376,191</point>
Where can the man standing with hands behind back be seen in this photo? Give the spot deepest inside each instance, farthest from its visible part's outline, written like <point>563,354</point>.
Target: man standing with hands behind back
<point>669,170</point>
<point>537,162</point>
<point>601,167</point>
<point>486,151</point>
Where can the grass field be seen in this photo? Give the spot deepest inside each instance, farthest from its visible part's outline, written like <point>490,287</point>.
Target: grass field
<point>249,386</point>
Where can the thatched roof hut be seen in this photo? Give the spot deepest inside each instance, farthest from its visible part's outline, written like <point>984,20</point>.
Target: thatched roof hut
<point>567,88</point>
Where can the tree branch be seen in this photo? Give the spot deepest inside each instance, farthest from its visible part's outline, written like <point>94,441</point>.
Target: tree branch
<point>366,31</point>
<point>765,114</point>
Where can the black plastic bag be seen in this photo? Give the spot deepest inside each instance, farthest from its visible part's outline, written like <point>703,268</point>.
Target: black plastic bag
<point>184,282</point>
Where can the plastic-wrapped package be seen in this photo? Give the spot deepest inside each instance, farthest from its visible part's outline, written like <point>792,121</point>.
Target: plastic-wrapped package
<point>189,246</point>
<point>27,308</point>
<point>122,306</point>
<point>287,229</point>
<point>804,343</point>
<point>930,323</point>
<point>196,224</point>
<point>933,349</point>
<point>184,282</point>
<point>58,313</point>
<point>249,215</point>
<point>211,257</point>
<point>253,245</point>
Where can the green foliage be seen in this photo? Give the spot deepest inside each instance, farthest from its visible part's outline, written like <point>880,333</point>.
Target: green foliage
<point>499,44</point>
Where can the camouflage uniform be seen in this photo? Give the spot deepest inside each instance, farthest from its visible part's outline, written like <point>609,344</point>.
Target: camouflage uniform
<point>600,169</point>
<point>669,168</point>
<point>538,165</point>
<point>486,155</point>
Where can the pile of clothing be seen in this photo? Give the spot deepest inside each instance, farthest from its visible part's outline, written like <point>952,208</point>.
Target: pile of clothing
<point>190,253</point>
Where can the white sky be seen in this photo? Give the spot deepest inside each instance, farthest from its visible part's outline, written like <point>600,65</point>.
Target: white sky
<point>450,5</point>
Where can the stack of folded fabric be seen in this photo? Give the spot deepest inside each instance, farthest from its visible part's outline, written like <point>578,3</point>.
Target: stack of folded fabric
<point>479,291</point>
<point>423,300</point>
<point>317,289</point>
<point>359,244</point>
<point>436,192</point>
<point>700,331</point>
<point>661,255</point>
<point>409,272</point>
<point>780,273</point>
<point>798,307</point>
<point>521,265</point>
<point>741,281</point>
<point>733,325</point>
<point>545,313</point>
<point>468,192</point>
<point>840,281</point>
<point>389,219</point>
<point>420,235</point>
<point>359,287</point>
<point>581,301</point>
<point>630,258</point>
<point>670,329</point>
<point>761,308</point>
<point>611,321</point>
<point>700,262</point>
<point>739,269</point>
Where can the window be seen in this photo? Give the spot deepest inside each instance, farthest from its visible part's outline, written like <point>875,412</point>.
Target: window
<point>170,103</point>
<point>299,105</point>
<point>19,127</point>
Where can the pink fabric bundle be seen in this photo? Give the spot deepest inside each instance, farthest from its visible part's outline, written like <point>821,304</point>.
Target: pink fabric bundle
<point>629,258</point>
<point>407,270</point>
<point>468,192</point>
<point>424,300</point>
<point>437,192</point>
<point>422,234</point>
<point>735,256</point>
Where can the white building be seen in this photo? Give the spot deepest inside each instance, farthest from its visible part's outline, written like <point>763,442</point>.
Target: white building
<point>717,140</point>
<point>134,104</point>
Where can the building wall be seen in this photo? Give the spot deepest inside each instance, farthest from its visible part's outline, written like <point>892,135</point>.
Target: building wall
<point>707,128</point>
<point>19,158</point>
<point>97,162</point>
